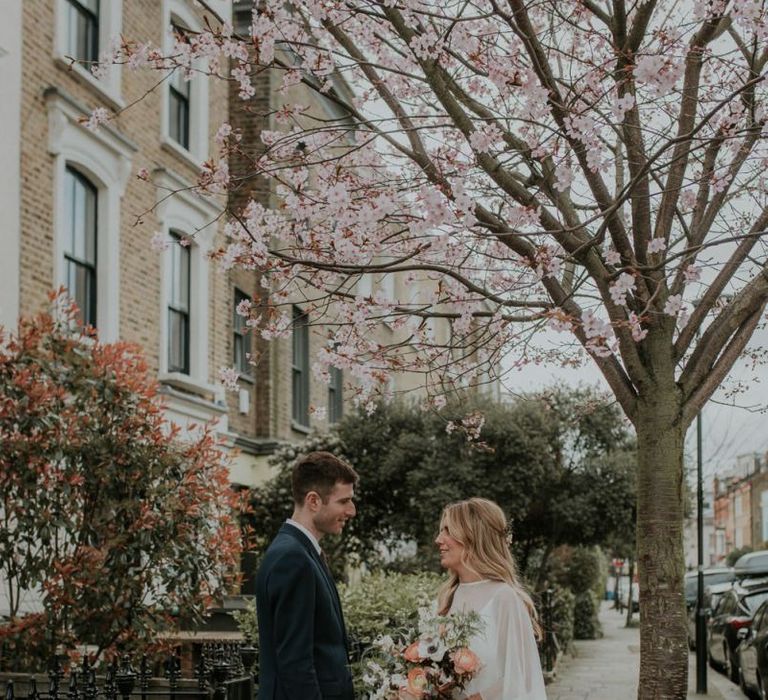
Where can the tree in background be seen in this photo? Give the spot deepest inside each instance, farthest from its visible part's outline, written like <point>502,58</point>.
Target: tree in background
<point>559,464</point>
<point>110,522</point>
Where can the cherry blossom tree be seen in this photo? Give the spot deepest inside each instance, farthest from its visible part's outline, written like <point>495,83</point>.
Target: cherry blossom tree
<point>595,168</point>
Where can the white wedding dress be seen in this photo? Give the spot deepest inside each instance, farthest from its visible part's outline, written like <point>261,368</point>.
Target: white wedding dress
<point>510,668</point>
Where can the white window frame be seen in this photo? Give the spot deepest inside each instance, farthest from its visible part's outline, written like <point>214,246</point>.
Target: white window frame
<point>10,155</point>
<point>104,157</point>
<point>110,28</point>
<point>189,214</point>
<point>180,12</point>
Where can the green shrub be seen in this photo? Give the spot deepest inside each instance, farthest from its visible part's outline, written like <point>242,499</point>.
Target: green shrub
<point>562,616</point>
<point>383,602</point>
<point>585,621</point>
<point>583,569</point>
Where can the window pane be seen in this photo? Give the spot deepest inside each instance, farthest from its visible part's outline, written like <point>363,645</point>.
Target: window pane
<point>180,272</point>
<point>178,341</point>
<point>80,243</point>
<point>335,395</point>
<point>178,114</point>
<point>241,338</point>
<point>300,383</point>
<point>81,198</point>
<point>83,29</point>
<point>81,285</point>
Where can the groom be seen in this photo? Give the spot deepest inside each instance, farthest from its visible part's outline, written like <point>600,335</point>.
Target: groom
<point>302,639</point>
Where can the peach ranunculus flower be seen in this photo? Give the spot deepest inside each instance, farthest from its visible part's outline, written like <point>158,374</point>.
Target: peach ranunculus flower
<point>412,653</point>
<point>417,681</point>
<point>465,661</point>
<point>403,694</point>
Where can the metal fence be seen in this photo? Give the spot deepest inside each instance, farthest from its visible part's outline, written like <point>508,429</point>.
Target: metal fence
<point>222,672</point>
<point>549,645</point>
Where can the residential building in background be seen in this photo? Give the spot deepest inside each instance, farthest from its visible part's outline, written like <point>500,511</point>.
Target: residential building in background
<point>741,506</point>
<point>85,209</point>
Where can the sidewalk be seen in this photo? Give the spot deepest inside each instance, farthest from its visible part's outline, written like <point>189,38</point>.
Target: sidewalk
<point>607,668</point>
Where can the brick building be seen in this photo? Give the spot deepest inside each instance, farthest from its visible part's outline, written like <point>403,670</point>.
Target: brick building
<point>77,215</point>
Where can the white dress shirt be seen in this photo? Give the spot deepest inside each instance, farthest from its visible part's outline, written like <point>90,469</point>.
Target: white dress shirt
<point>301,528</point>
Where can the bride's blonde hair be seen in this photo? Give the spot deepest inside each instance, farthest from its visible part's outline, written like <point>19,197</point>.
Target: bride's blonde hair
<point>480,525</point>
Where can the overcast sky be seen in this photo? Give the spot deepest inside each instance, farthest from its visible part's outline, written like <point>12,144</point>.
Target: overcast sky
<point>731,426</point>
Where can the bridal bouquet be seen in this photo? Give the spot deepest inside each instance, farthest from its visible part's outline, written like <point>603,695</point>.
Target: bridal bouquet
<point>431,662</point>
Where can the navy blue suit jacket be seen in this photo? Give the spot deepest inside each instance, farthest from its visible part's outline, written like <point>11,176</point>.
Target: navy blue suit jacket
<point>303,648</point>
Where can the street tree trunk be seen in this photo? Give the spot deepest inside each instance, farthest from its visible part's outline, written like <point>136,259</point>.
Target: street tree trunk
<point>660,434</point>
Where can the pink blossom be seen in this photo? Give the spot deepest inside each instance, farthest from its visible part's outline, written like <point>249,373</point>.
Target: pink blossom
<point>485,137</point>
<point>244,308</point>
<point>223,133</point>
<point>674,305</point>
<point>594,327</point>
<point>612,257</point>
<point>99,116</point>
<point>142,174</point>
<point>319,412</point>
<point>638,332</point>
<point>160,241</point>
<point>692,273</point>
<point>228,377</point>
<point>656,245</point>
<point>659,73</point>
<point>624,284</point>
<point>622,105</point>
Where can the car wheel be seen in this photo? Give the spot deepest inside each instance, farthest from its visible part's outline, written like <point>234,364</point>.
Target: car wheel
<point>711,660</point>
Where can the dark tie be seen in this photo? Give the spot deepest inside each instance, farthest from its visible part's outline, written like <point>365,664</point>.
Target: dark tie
<point>324,559</point>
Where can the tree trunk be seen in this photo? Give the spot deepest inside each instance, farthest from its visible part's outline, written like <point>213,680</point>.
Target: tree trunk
<point>664,653</point>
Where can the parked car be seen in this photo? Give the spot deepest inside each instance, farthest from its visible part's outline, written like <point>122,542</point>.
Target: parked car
<point>717,574</point>
<point>717,581</point>
<point>734,611</point>
<point>753,654</point>
<point>752,564</point>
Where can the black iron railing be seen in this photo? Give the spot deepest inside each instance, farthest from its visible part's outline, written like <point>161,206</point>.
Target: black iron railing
<point>222,672</point>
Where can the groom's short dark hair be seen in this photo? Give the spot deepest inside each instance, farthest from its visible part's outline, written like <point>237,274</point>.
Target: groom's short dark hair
<point>320,472</point>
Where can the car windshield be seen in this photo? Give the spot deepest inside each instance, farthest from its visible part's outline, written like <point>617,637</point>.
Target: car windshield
<point>719,577</point>
<point>710,579</point>
<point>753,600</point>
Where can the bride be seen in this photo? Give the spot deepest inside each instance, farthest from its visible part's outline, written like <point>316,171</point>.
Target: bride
<point>474,549</point>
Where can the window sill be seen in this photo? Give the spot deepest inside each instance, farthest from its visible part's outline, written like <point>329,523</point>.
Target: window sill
<point>107,93</point>
<point>299,428</point>
<point>247,378</point>
<point>191,385</point>
<point>170,146</point>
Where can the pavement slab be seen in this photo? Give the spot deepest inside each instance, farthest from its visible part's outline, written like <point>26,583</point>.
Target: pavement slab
<point>608,668</point>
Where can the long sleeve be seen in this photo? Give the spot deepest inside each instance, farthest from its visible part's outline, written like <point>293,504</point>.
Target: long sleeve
<point>518,667</point>
<point>293,601</point>
<point>507,649</point>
